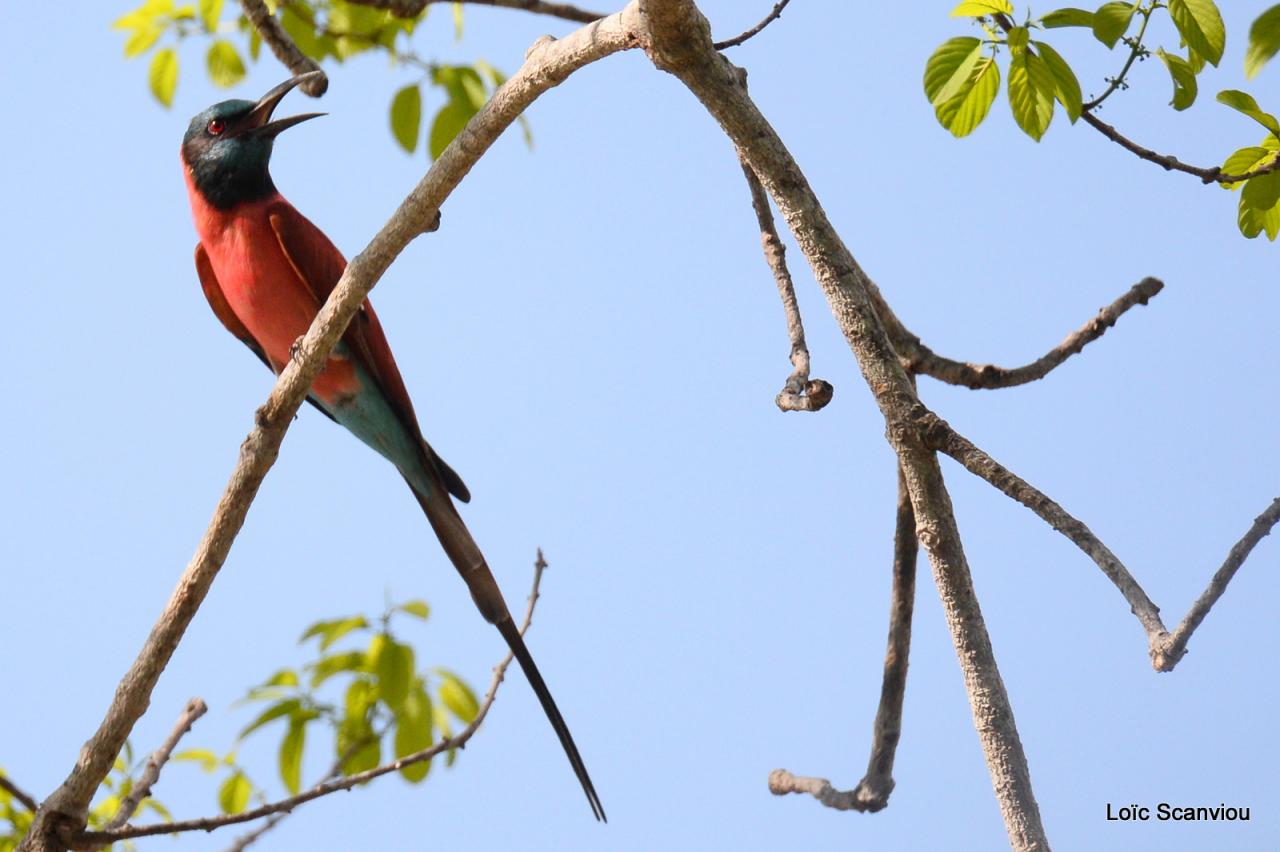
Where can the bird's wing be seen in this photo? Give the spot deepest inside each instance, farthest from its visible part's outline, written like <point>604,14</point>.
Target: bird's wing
<point>319,265</point>
<point>221,308</point>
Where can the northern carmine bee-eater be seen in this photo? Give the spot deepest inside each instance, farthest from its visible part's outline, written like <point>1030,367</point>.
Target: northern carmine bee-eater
<point>266,270</point>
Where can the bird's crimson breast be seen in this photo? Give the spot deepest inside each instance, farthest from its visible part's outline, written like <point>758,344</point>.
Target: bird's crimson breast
<point>262,286</point>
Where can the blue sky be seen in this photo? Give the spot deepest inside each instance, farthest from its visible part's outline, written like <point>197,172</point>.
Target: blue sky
<point>592,339</point>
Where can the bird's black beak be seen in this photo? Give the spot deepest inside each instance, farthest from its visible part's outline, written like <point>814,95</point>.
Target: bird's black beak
<point>258,121</point>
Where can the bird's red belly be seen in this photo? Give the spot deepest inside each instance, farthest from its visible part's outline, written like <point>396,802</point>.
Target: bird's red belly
<point>275,306</point>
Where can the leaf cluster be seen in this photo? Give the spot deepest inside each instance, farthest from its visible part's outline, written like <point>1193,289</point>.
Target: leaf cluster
<point>324,30</point>
<point>962,77</point>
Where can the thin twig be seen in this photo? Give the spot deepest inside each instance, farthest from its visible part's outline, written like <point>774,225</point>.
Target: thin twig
<point>799,393</point>
<point>920,358</point>
<point>283,47</point>
<point>1118,81</point>
<point>874,788</point>
<point>334,784</point>
<point>1176,645</point>
<point>151,772</point>
<point>28,801</point>
<point>872,792</point>
<point>757,29</point>
<point>414,8</point>
<point>548,63</point>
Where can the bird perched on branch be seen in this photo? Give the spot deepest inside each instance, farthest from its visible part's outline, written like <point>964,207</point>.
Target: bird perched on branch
<point>266,270</point>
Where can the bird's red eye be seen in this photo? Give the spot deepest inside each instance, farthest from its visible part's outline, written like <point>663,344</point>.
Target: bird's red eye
<point>217,126</point>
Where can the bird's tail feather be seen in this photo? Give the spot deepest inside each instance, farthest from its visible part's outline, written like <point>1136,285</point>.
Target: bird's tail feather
<point>466,557</point>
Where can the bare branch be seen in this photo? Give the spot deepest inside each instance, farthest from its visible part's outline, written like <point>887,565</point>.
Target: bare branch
<point>872,792</point>
<point>414,8</point>
<point>1176,645</point>
<point>548,63</point>
<point>283,47</point>
<point>1166,649</point>
<point>921,359</point>
<point>332,783</point>
<point>28,801</point>
<point>757,29</point>
<point>799,393</point>
<point>1168,162</point>
<point>977,462</point>
<point>874,788</point>
<point>677,39</point>
<point>151,773</point>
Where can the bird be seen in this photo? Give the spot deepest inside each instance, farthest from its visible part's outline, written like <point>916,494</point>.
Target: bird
<point>266,270</point>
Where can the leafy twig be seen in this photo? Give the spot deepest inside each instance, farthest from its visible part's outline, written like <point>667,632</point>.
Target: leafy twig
<point>334,784</point>
<point>284,48</point>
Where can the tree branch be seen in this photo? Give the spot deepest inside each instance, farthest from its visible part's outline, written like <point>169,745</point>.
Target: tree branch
<point>872,792</point>
<point>283,47</point>
<point>1176,645</point>
<point>26,799</point>
<point>756,30</point>
<point>332,783</point>
<point>799,393</point>
<point>677,39</point>
<point>414,8</point>
<point>1166,649</point>
<point>547,64</point>
<point>921,359</point>
<point>151,774</point>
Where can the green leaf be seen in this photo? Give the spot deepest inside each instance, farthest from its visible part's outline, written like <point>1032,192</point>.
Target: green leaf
<point>327,667</point>
<point>361,695</point>
<point>207,759</point>
<point>1019,38</point>
<point>367,756</point>
<point>458,697</point>
<point>950,68</point>
<point>163,75</point>
<point>445,127</point>
<point>287,707</point>
<point>1264,41</point>
<point>457,22</point>
<point>1260,207</point>
<point>144,15</point>
<point>291,755</point>
<point>1200,24</point>
<point>225,66</point>
<point>284,677</point>
<point>978,8</point>
<point>1245,103</point>
<point>210,14</point>
<point>1246,160</point>
<point>406,121</point>
<point>1111,21</point>
<point>393,663</point>
<point>233,795</point>
<point>1069,17</point>
<point>255,44</point>
<point>1185,86</point>
<point>413,731</point>
<point>963,113</point>
<point>418,609</point>
<point>1066,86</point>
<point>142,40</point>
<point>1031,93</point>
<point>331,631</point>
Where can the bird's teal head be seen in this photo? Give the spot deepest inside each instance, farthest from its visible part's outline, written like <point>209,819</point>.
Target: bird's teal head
<point>228,146</point>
